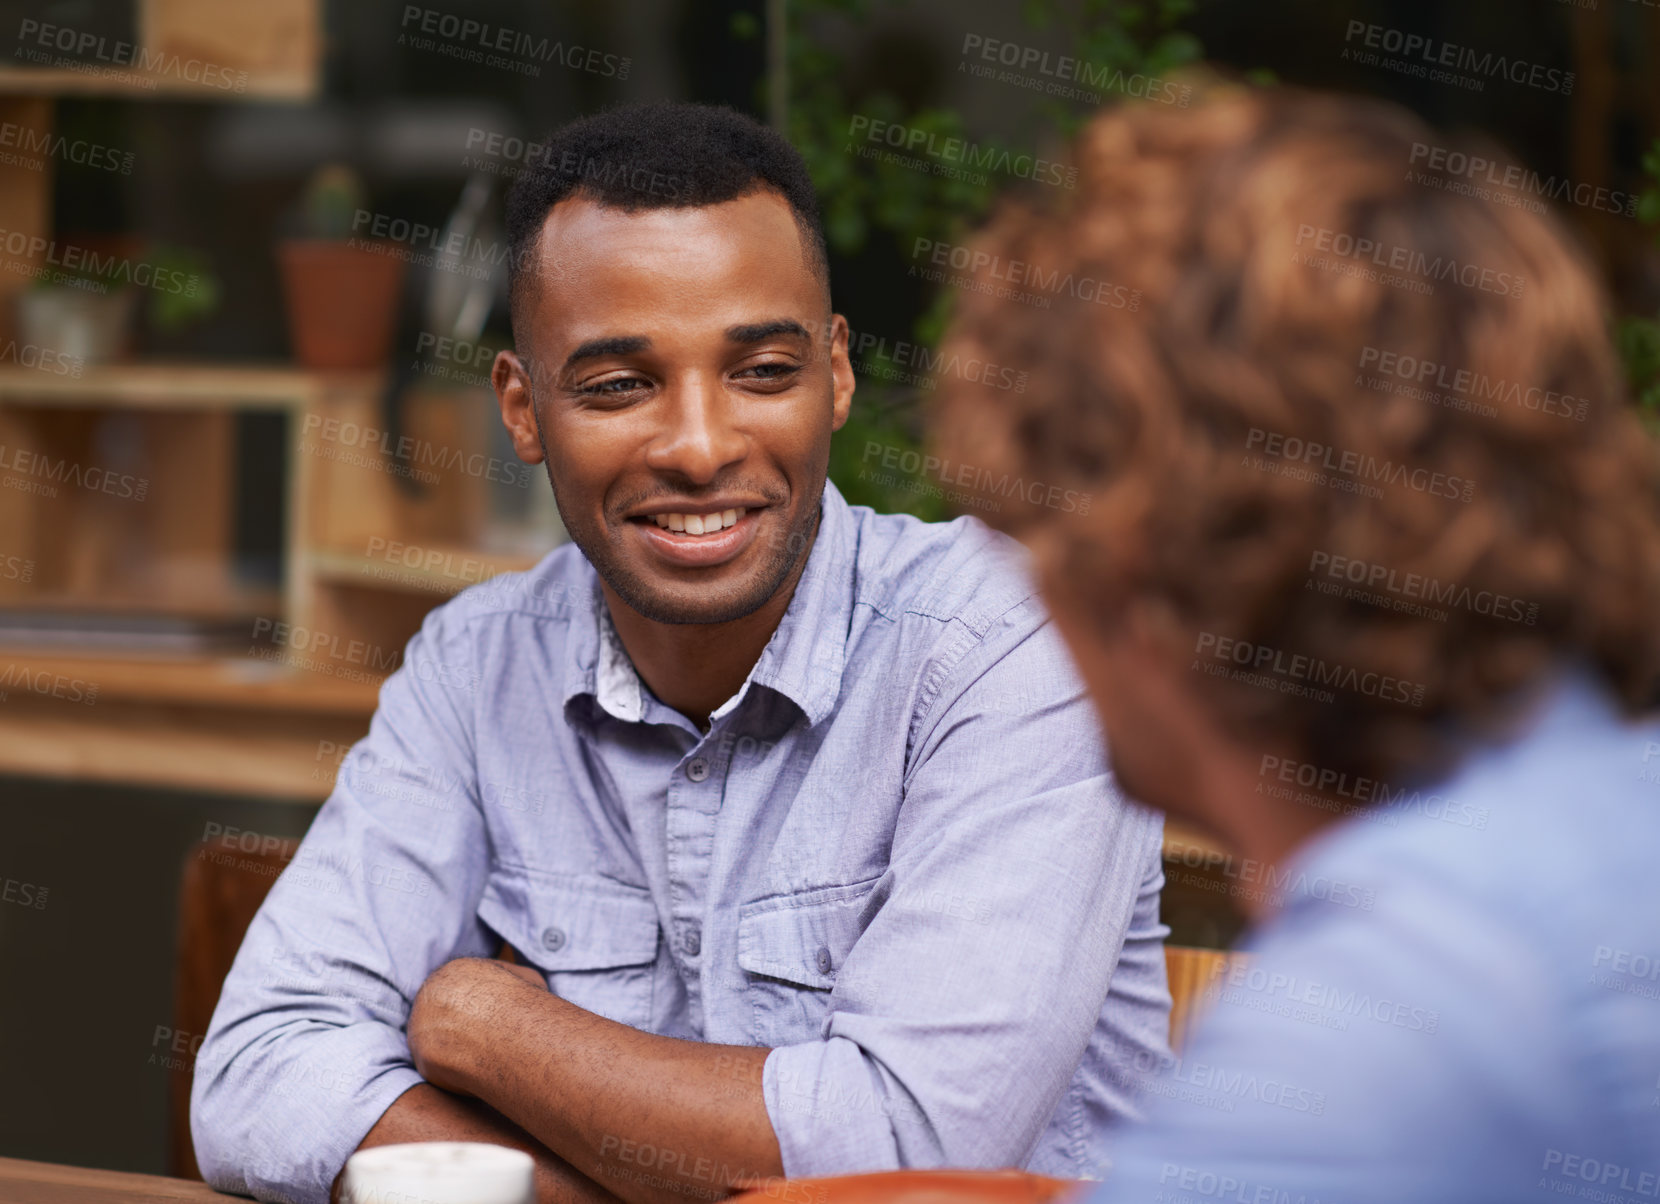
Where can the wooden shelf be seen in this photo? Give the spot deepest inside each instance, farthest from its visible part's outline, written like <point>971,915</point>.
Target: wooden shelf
<point>273,49</point>
<point>238,683</point>
<point>457,568</point>
<point>99,79</point>
<point>161,385</point>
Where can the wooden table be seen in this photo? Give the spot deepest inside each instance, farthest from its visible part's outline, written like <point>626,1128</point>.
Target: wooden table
<point>47,1183</point>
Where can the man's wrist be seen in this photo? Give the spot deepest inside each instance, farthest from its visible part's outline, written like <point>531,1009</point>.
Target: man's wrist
<point>456,1001</point>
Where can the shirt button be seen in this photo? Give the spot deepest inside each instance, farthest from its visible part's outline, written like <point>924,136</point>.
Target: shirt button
<point>694,942</point>
<point>824,961</point>
<point>553,939</point>
<point>697,769</point>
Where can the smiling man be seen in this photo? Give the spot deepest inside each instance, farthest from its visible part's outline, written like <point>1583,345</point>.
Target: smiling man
<point>793,814</point>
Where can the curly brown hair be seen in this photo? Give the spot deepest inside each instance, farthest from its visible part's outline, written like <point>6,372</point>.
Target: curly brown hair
<point>1321,406</point>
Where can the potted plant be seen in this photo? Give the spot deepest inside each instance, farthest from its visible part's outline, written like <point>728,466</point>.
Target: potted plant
<point>341,289</point>
<point>83,309</point>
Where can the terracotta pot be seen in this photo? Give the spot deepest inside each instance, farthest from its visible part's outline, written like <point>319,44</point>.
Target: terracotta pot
<point>342,300</point>
<point>916,1187</point>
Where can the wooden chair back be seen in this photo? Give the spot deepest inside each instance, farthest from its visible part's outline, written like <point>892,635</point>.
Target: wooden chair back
<point>1195,978</point>
<point>219,893</point>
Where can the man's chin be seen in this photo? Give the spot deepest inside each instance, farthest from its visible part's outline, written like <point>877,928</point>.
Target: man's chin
<point>722,602</point>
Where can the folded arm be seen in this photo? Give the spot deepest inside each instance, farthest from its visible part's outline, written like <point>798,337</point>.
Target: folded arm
<point>652,1118</point>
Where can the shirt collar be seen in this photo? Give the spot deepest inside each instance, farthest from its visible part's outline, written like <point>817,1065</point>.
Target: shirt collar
<point>803,661</point>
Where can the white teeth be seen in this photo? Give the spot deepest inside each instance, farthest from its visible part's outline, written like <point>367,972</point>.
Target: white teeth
<point>700,524</point>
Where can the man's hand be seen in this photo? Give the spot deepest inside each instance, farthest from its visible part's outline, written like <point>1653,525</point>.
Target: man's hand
<point>454,1008</point>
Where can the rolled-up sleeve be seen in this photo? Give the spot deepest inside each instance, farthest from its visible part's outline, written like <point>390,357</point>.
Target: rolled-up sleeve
<point>964,1007</point>
<point>306,1048</point>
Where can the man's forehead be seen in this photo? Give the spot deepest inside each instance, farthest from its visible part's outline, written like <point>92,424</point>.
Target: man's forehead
<point>581,235</point>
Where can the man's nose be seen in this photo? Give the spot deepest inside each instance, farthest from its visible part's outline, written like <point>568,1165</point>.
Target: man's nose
<point>700,436</point>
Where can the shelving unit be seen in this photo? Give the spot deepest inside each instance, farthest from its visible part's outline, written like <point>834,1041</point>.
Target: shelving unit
<point>117,490</point>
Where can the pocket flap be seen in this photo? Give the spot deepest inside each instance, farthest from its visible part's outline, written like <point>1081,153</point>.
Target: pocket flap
<point>572,922</point>
<point>805,938</point>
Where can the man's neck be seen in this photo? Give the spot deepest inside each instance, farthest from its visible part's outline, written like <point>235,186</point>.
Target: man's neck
<point>694,667</point>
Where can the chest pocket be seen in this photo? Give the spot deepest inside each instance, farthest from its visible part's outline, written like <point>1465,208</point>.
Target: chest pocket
<point>791,950</point>
<point>594,940</point>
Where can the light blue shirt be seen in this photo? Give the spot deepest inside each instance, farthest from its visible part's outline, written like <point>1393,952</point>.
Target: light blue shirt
<point>1460,1003</point>
<point>897,858</point>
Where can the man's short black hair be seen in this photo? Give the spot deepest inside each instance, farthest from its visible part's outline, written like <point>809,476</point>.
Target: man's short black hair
<point>659,156</point>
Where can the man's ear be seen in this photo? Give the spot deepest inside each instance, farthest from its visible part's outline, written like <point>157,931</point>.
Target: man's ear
<point>841,373</point>
<point>512,382</point>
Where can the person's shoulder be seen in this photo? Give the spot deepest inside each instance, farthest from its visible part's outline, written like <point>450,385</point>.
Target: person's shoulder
<point>1550,833</point>
<point>958,570</point>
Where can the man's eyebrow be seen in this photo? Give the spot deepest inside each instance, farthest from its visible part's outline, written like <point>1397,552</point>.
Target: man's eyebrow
<point>755,332</point>
<point>618,344</point>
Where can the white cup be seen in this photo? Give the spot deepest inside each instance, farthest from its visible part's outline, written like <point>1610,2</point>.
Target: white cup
<point>439,1172</point>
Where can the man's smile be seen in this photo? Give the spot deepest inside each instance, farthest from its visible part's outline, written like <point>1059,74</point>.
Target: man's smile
<point>698,537</point>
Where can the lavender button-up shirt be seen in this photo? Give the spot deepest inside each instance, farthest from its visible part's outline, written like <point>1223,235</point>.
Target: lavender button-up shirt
<point>897,858</point>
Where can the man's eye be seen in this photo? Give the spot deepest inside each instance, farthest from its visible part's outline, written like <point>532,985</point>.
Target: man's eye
<point>615,387</point>
<point>772,370</point>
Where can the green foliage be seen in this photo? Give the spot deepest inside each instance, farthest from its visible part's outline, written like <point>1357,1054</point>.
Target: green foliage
<point>197,295</point>
<point>333,197</point>
<point>1638,338</point>
<point>183,287</point>
<point>863,195</point>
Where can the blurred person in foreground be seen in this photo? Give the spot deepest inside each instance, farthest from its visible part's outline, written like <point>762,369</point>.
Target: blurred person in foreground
<point>1370,591</point>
